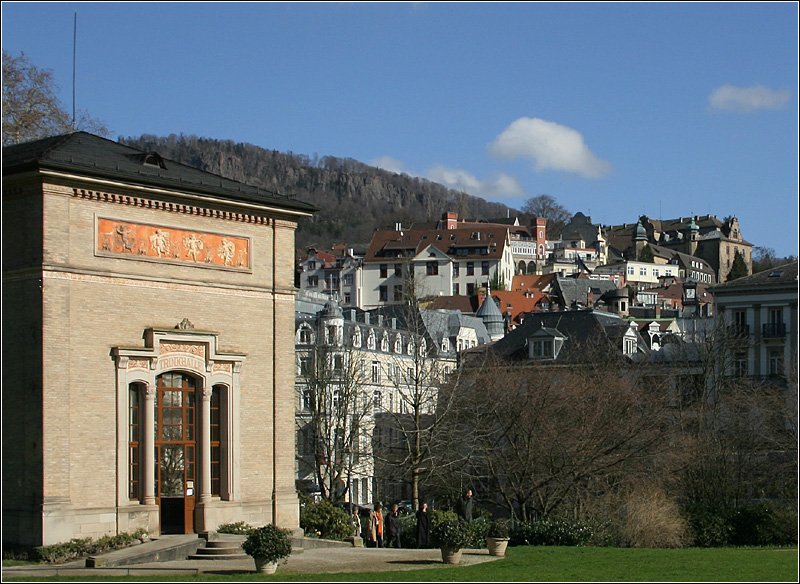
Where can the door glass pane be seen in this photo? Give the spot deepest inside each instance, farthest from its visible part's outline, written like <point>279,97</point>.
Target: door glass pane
<point>190,424</point>
<point>172,470</point>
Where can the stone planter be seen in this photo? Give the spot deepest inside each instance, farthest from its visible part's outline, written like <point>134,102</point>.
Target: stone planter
<point>265,567</point>
<point>451,556</point>
<point>497,546</point>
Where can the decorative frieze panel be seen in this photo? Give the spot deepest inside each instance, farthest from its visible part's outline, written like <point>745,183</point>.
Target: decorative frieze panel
<point>139,241</point>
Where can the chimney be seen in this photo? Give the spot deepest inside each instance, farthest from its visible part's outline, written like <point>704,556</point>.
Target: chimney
<point>380,320</point>
<point>351,315</point>
<point>366,318</point>
<point>394,323</point>
<point>450,220</point>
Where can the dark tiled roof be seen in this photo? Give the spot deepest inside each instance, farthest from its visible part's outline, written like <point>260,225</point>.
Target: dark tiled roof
<point>583,328</point>
<point>784,276</point>
<point>89,155</point>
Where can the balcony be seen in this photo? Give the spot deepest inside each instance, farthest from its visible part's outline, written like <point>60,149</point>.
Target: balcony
<point>773,330</point>
<point>739,330</point>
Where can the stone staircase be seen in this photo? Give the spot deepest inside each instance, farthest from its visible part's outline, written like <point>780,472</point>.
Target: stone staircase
<point>221,547</point>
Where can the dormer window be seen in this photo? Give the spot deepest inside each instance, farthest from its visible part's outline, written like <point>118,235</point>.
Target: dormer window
<point>305,336</point>
<point>154,159</point>
<point>545,344</point>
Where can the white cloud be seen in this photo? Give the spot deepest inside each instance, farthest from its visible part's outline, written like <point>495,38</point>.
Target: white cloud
<point>550,146</point>
<point>747,99</point>
<point>388,163</point>
<point>501,185</point>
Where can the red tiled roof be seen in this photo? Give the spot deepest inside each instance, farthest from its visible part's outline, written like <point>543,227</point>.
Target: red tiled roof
<point>387,244</point>
<point>532,282</point>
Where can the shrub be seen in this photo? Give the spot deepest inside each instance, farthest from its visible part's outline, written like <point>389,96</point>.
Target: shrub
<point>756,525</point>
<point>448,530</point>
<point>650,519</point>
<point>499,528</point>
<point>238,528</point>
<point>551,532</point>
<point>80,547</point>
<point>325,520</point>
<point>760,525</point>
<point>477,531</point>
<point>408,530</point>
<point>269,543</point>
<point>710,526</point>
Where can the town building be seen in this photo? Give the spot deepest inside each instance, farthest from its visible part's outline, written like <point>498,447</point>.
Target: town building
<point>715,241</point>
<point>147,378</point>
<point>359,374</point>
<point>332,274</point>
<point>449,259</point>
<point>759,312</point>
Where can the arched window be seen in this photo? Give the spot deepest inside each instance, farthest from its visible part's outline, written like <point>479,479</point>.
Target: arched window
<point>135,399</point>
<point>218,393</point>
<point>371,340</point>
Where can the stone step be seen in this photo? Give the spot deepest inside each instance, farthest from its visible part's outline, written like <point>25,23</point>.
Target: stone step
<point>219,551</point>
<point>240,556</point>
<point>222,544</point>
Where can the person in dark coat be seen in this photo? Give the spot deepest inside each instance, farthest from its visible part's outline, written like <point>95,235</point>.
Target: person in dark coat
<point>393,527</point>
<point>423,526</point>
<point>466,506</point>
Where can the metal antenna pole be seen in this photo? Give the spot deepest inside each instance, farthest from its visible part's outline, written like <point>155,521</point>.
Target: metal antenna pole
<point>74,53</point>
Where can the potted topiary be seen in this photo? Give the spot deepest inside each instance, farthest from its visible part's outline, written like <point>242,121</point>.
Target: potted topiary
<point>449,533</point>
<point>268,545</point>
<point>497,538</point>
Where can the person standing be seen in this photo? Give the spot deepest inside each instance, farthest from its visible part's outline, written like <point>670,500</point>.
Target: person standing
<point>423,526</point>
<point>376,526</point>
<point>393,527</point>
<point>355,521</point>
<point>466,506</point>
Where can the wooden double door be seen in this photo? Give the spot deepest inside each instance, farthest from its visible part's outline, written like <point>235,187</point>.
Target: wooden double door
<point>176,451</point>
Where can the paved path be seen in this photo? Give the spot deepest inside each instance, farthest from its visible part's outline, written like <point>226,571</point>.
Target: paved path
<point>310,561</point>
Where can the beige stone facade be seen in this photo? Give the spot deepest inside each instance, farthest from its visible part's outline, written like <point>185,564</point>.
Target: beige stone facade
<point>117,292</point>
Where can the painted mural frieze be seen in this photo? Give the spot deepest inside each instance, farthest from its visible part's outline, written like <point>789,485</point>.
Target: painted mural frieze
<point>159,243</point>
<point>198,349</point>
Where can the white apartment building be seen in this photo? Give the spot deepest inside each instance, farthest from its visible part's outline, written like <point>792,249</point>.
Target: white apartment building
<point>332,275</point>
<point>374,356</point>
<point>451,259</point>
<point>761,311</point>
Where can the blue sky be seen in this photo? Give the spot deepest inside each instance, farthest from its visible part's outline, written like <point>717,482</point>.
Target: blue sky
<point>614,109</point>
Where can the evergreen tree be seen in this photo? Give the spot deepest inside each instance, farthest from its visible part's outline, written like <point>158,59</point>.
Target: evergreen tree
<point>738,269</point>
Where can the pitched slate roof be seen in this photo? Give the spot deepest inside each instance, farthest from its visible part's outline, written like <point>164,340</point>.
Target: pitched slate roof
<point>784,276</point>
<point>88,155</point>
<point>573,291</point>
<point>447,323</point>
<point>581,327</point>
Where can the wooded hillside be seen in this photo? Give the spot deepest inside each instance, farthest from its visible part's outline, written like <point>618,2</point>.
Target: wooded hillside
<point>353,198</point>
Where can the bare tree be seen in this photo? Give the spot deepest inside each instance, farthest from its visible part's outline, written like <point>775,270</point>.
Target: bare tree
<point>31,109</point>
<point>545,206</point>
<point>421,377</point>
<point>543,438</point>
<point>738,433</point>
<point>334,423</point>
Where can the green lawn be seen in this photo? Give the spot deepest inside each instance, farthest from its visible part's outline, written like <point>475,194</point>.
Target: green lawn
<point>567,564</point>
